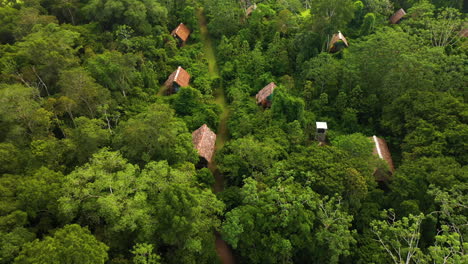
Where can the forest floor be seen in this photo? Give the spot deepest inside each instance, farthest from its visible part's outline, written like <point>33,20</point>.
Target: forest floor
<point>222,248</point>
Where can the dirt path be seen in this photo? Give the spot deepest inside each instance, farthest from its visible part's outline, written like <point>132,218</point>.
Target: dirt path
<point>222,248</point>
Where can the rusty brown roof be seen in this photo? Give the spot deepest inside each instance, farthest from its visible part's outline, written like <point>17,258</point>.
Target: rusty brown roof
<point>265,92</point>
<point>204,141</point>
<point>381,150</point>
<point>464,33</point>
<point>179,76</point>
<point>181,31</point>
<point>397,16</point>
<point>250,9</point>
<point>337,37</point>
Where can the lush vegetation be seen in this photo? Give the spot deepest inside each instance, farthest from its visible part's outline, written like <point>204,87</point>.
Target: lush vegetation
<point>96,167</point>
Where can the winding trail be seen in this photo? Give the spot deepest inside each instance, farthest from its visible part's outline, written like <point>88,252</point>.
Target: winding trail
<point>222,248</point>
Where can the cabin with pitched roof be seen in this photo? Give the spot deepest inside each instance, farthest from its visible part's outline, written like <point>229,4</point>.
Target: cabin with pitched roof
<point>250,9</point>
<point>179,78</point>
<point>321,132</point>
<point>381,150</point>
<point>396,18</point>
<point>204,141</point>
<point>265,95</point>
<point>337,42</point>
<point>181,32</point>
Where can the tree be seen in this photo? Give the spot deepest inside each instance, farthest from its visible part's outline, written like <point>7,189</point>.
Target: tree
<point>243,157</point>
<point>78,85</point>
<point>400,238</point>
<point>116,71</point>
<point>155,135</point>
<point>144,254</point>
<point>142,15</point>
<point>22,114</point>
<point>71,244</point>
<point>40,56</point>
<point>287,223</point>
<point>331,16</point>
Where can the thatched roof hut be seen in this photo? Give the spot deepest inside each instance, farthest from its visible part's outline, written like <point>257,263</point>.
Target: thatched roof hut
<point>335,39</point>
<point>179,78</point>
<point>204,141</point>
<point>250,9</point>
<point>264,95</point>
<point>395,18</point>
<point>381,150</point>
<point>182,32</point>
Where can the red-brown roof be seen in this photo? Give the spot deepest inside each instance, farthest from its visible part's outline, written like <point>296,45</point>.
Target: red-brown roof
<point>397,16</point>
<point>464,33</point>
<point>250,9</point>
<point>335,38</point>
<point>381,150</point>
<point>181,31</point>
<point>179,76</point>
<point>204,141</point>
<point>265,92</point>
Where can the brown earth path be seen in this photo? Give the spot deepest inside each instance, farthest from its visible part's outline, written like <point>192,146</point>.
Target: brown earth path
<point>222,248</point>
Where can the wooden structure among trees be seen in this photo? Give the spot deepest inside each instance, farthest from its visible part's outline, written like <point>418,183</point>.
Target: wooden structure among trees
<point>181,32</point>
<point>337,41</point>
<point>395,18</point>
<point>250,9</point>
<point>179,78</point>
<point>321,131</point>
<point>264,96</point>
<point>204,141</point>
<point>381,150</point>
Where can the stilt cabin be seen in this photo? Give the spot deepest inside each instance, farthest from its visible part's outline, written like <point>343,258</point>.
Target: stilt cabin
<point>337,42</point>
<point>395,18</point>
<point>181,33</point>
<point>381,150</point>
<point>265,96</point>
<point>250,9</point>
<point>204,141</point>
<point>321,132</point>
<point>179,78</point>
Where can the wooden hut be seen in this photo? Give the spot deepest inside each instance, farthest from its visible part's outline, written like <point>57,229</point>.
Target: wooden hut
<point>204,141</point>
<point>321,132</point>
<point>381,150</point>
<point>179,78</point>
<point>264,97</point>
<point>395,18</point>
<point>337,42</point>
<point>464,33</point>
<point>250,9</point>
<point>181,32</point>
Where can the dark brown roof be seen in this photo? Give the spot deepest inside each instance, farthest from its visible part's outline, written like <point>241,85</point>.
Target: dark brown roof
<point>265,92</point>
<point>179,76</point>
<point>181,31</point>
<point>381,150</point>
<point>250,9</point>
<point>464,33</point>
<point>397,16</point>
<point>204,141</point>
<point>335,38</point>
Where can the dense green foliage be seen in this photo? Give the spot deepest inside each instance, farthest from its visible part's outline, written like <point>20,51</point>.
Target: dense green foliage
<point>98,166</point>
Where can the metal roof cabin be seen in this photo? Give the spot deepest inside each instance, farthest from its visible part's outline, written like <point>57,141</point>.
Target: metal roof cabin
<point>250,9</point>
<point>181,32</point>
<point>179,78</point>
<point>264,96</point>
<point>382,151</point>
<point>335,43</point>
<point>395,18</point>
<point>321,131</point>
<point>204,141</point>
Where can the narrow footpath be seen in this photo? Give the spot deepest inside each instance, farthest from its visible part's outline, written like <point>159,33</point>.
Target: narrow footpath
<point>222,248</point>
